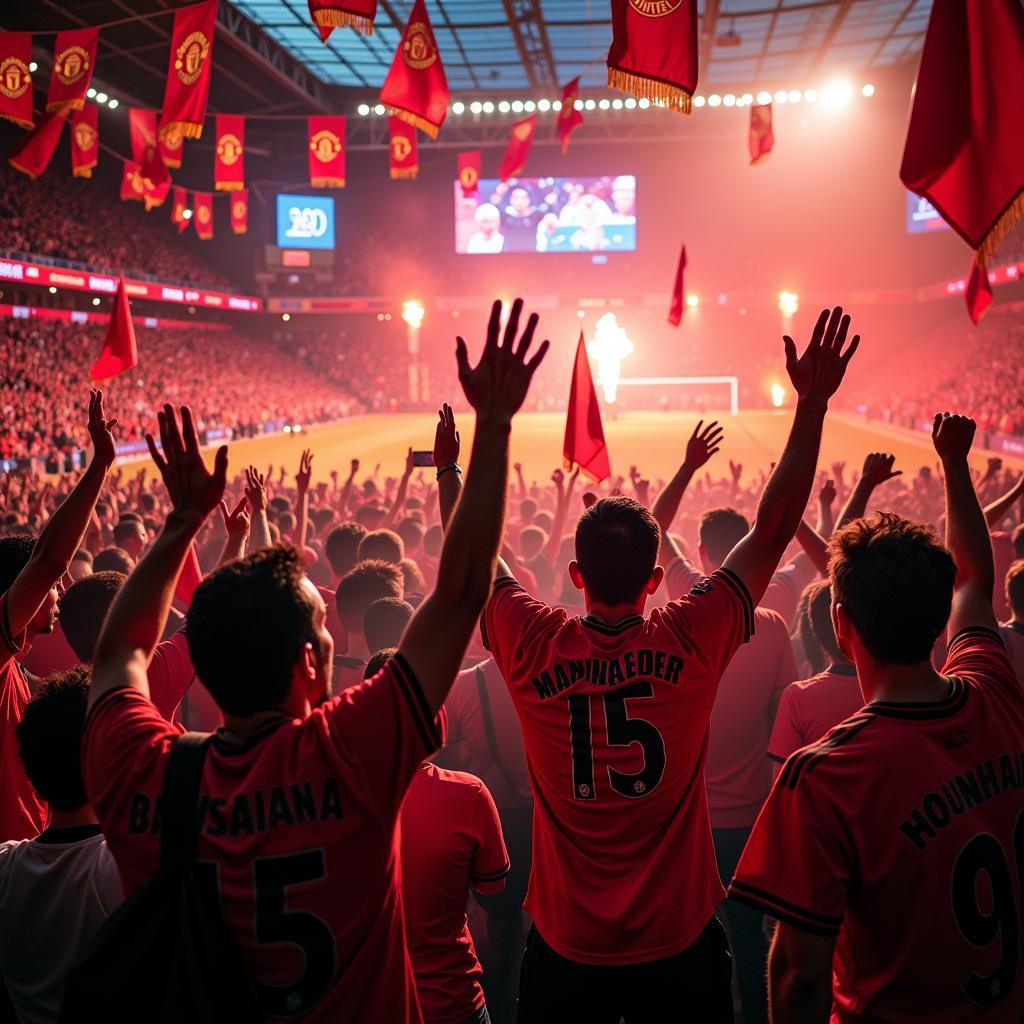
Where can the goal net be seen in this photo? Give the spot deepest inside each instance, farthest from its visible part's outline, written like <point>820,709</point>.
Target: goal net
<point>691,394</point>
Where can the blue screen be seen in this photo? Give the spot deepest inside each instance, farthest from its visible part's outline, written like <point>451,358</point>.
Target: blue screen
<point>922,217</point>
<point>305,222</point>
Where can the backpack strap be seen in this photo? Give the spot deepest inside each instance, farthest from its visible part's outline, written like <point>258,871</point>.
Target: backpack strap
<point>180,796</point>
<point>485,714</point>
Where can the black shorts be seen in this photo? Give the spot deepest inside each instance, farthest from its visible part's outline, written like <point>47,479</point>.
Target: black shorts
<point>692,987</point>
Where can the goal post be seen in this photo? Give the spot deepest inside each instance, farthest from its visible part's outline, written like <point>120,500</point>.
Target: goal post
<point>733,384</point>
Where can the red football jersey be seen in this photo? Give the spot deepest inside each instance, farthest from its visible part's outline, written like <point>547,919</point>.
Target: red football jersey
<point>451,838</point>
<point>811,707</point>
<point>615,723</point>
<point>902,833</point>
<point>298,833</point>
<point>22,814</point>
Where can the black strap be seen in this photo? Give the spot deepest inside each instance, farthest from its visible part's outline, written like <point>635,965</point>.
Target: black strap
<point>179,798</point>
<point>492,745</point>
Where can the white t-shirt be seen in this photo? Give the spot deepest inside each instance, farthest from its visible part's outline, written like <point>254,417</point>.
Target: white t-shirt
<point>55,891</point>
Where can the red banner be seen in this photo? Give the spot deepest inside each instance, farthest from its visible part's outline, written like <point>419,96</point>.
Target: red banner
<point>85,141</point>
<point>132,186</point>
<point>202,214</point>
<point>568,116</point>
<point>402,148</point>
<point>584,444</point>
<point>761,139</point>
<point>188,76</point>
<point>179,204</point>
<point>514,160</point>
<point>120,351</point>
<point>240,212</point>
<point>229,153</point>
<point>33,155</point>
<point>171,147</point>
<point>469,173</point>
<point>15,78</point>
<point>156,180</point>
<point>654,50</point>
<point>74,57</point>
<point>416,89</point>
<point>979,292</point>
<point>327,151</point>
<point>328,15</point>
<point>675,311</point>
<point>965,148</point>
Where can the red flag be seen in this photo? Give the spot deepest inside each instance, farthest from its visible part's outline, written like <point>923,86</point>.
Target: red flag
<point>469,172</point>
<point>202,214</point>
<point>416,89</point>
<point>188,73</point>
<point>654,50</point>
<point>979,291</point>
<point>240,212</point>
<point>568,116</point>
<point>584,436</point>
<point>327,151</point>
<point>16,78</point>
<point>328,15</point>
<point>761,138</point>
<point>518,149</point>
<point>675,312</point>
<point>119,352</point>
<point>156,181</point>
<point>404,156</point>
<point>229,153</point>
<point>33,154</point>
<point>178,207</point>
<point>965,147</point>
<point>132,186</point>
<point>74,56</point>
<point>171,146</point>
<point>190,578</point>
<point>85,141</point>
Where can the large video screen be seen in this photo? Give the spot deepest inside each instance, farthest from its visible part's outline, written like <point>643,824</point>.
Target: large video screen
<point>593,215</point>
<point>305,222</point>
<point>922,217</point>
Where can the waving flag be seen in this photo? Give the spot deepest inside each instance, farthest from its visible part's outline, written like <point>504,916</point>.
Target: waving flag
<point>675,312</point>
<point>416,89</point>
<point>584,444</point>
<point>33,155</point>
<point>569,117</point>
<point>979,292</point>
<point>74,56</point>
<point>120,351</point>
<point>514,160</point>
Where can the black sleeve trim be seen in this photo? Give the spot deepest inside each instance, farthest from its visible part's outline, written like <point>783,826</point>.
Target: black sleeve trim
<point>776,758</point>
<point>779,908</point>
<point>492,876</point>
<point>504,581</point>
<point>977,631</point>
<point>501,583</point>
<point>740,589</point>
<point>410,688</point>
<point>782,915</point>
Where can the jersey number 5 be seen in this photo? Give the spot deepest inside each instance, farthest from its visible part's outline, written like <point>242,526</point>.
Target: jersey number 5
<point>622,732</point>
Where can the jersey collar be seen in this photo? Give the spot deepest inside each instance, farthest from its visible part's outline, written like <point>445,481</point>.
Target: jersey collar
<point>925,709</point>
<point>609,630</point>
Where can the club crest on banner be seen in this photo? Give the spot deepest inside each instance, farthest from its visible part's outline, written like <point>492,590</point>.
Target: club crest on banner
<point>229,149</point>
<point>190,57</point>
<point>71,64</point>
<point>85,136</point>
<point>238,209</point>
<point>401,147</point>
<point>325,146</point>
<point>420,51</point>
<point>15,77</point>
<point>203,214</point>
<point>137,182</point>
<point>468,177</point>
<point>523,130</point>
<point>654,8</point>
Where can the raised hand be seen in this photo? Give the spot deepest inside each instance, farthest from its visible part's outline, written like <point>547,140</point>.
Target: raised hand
<point>409,467</point>
<point>817,374</point>
<point>305,471</point>
<point>447,440</point>
<point>101,431</point>
<point>354,468</point>
<point>952,435</point>
<point>255,490</point>
<point>703,444</point>
<point>496,387</point>
<point>827,494</point>
<point>878,468</point>
<point>736,470</point>
<point>236,521</point>
<point>558,479</point>
<point>193,489</point>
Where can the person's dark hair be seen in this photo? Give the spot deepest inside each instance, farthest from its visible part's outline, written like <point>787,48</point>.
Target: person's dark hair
<point>247,625</point>
<point>1018,541</point>
<point>385,545</point>
<point>385,621</point>
<point>819,606</point>
<point>147,502</point>
<point>127,529</point>
<point>113,560</point>
<point>894,578</point>
<point>1015,587</point>
<point>532,541</point>
<point>129,517</point>
<point>286,521</point>
<point>412,579</point>
<point>544,520</point>
<point>721,529</point>
<point>279,503</point>
<point>82,555</point>
<point>432,541</point>
<point>378,661</point>
<point>617,541</point>
<point>83,608</point>
<point>363,584</point>
<point>341,546</point>
<point>15,551</point>
<point>411,532</point>
<point>370,515</point>
<point>527,510</point>
<point>803,631</point>
<point>49,738</point>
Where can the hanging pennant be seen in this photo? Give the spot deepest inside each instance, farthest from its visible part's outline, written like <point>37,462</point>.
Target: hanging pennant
<point>188,73</point>
<point>74,56</point>
<point>229,153</point>
<point>402,148</point>
<point>171,148</point>
<point>33,155</point>
<point>132,187</point>
<point>469,173</point>
<point>327,151</point>
<point>202,214</point>
<point>514,160</point>
<point>240,212</point>
<point>16,78</point>
<point>328,15</point>
<point>178,207</point>
<point>569,118</point>
<point>85,141</point>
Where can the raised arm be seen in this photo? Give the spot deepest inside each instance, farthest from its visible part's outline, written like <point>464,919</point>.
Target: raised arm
<point>815,376</point>
<point>302,478</point>
<point>137,617</point>
<point>436,638</point>
<point>826,498</point>
<point>447,445</point>
<point>967,533</point>
<point>62,536</point>
<point>236,525</point>
<point>998,508</point>
<point>346,491</point>
<point>256,498</point>
<point>564,490</point>
<point>403,487</point>
<point>877,469</point>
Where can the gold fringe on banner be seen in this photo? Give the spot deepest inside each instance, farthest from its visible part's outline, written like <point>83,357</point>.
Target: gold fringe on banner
<point>64,106</point>
<point>675,97</point>
<point>415,120</point>
<point>187,130</point>
<point>229,186</point>
<point>21,167</point>
<point>19,121</point>
<point>1007,219</point>
<point>404,172</point>
<point>239,230</point>
<point>84,172</point>
<point>327,182</point>
<point>342,19</point>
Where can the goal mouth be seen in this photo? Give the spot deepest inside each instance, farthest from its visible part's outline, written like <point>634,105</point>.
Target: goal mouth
<point>690,394</point>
